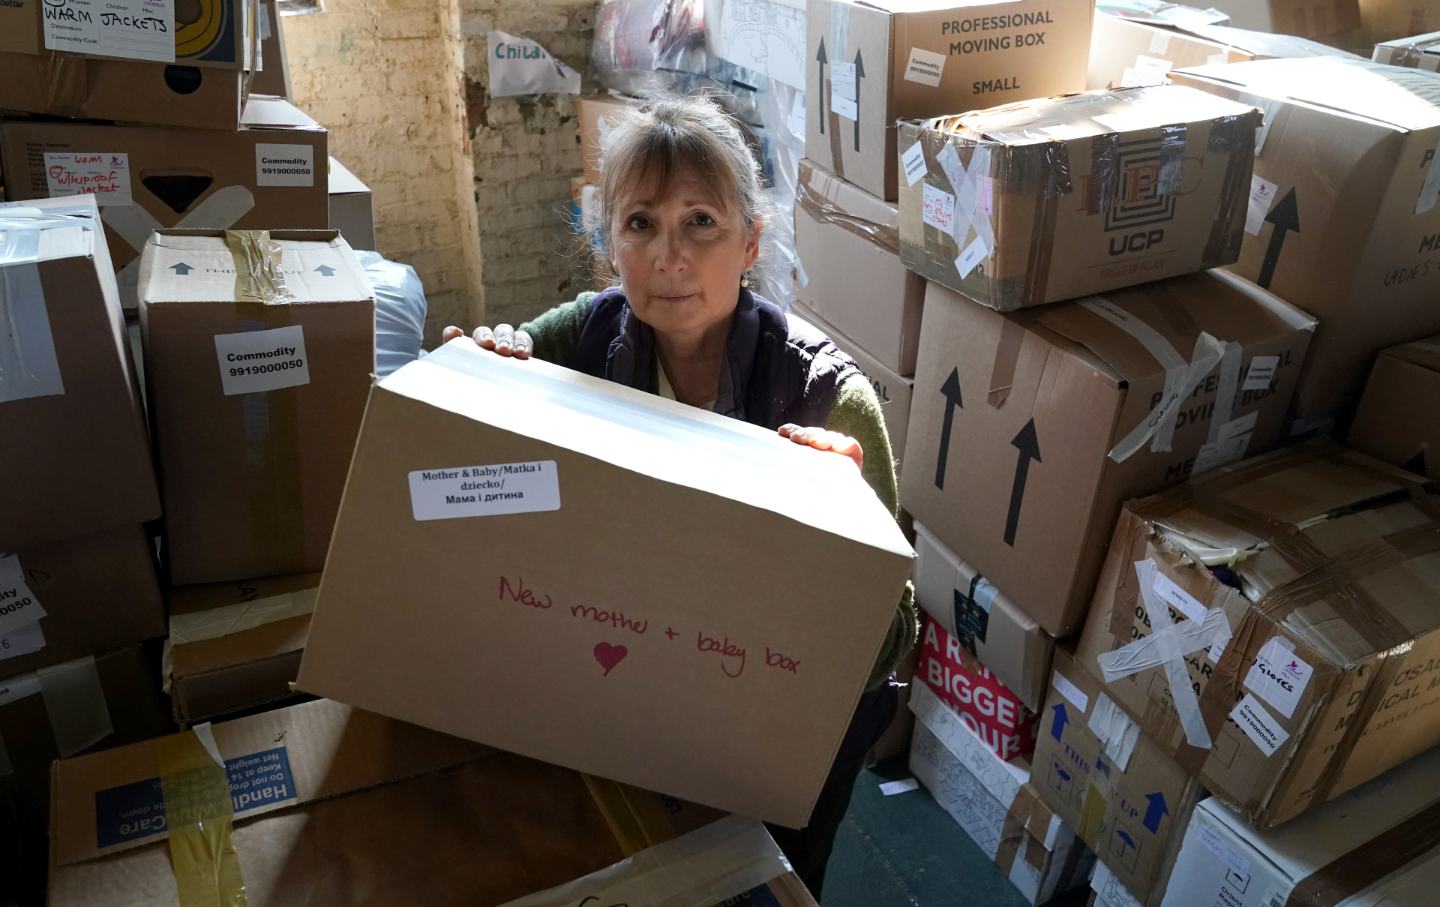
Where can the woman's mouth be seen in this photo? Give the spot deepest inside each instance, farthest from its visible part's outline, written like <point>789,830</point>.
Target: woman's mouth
<point>674,297</point>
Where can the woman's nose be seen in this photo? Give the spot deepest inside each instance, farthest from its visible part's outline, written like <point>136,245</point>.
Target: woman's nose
<point>671,253</point>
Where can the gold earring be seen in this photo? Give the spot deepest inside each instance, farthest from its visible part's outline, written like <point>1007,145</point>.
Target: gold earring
<point>744,280</point>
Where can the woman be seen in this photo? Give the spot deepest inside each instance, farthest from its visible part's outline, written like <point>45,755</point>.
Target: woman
<point>682,219</point>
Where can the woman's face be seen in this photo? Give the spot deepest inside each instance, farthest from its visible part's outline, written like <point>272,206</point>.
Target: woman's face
<point>680,256</point>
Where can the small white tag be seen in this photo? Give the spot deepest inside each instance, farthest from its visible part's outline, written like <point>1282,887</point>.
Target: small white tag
<point>938,208</point>
<point>18,605</point>
<point>1223,852</point>
<point>1153,65</point>
<point>925,67</point>
<point>891,788</point>
<point>972,256</point>
<point>1159,41</point>
<point>1071,692</point>
<point>842,80</point>
<point>101,173</point>
<point>22,641</point>
<point>17,688</point>
<point>1259,726</point>
<point>914,163</point>
<point>846,108</point>
<point>493,490</point>
<point>949,161</point>
<point>1262,196</point>
<point>255,361</point>
<point>1262,373</point>
<point>797,114</point>
<point>1279,676</point>
<point>284,165</point>
<point>1178,598</point>
<point>1220,452</point>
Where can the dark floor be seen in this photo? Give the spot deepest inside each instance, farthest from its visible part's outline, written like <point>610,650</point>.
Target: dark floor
<point>905,850</point>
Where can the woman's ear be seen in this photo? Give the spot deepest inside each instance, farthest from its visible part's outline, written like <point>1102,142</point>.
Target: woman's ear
<point>752,245</point>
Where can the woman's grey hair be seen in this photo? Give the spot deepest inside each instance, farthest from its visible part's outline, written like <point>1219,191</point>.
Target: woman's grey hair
<point>668,137</point>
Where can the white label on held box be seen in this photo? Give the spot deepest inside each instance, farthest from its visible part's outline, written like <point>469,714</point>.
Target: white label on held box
<point>1279,676</point>
<point>938,209</point>
<point>17,688</point>
<point>972,256</point>
<point>925,67</point>
<point>494,490</point>
<point>1259,726</point>
<point>22,641</point>
<point>914,162</point>
<point>100,173</point>
<point>1071,692</point>
<point>1178,598</point>
<point>1262,196</point>
<point>1262,373</point>
<point>257,361</point>
<point>284,165</point>
<point>18,605</point>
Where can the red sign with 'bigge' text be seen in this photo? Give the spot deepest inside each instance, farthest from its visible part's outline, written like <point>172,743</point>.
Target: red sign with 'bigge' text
<point>982,702</point>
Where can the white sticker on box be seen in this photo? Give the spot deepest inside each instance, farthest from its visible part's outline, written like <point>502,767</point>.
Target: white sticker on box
<point>1130,77</point>
<point>18,605</point>
<point>1279,676</point>
<point>925,67</point>
<point>284,165</point>
<point>1222,451</point>
<point>938,208</point>
<point>1262,373</point>
<point>1071,692</point>
<point>1159,41</point>
<point>1178,598</point>
<point>1153,65</point>
<point>1227,855</point>
<point>131,29</point>
<point>104,174</point>
<point>493,490</point>
<point>1259,726</point>
<point>846,107</point>
<point>914,163</point>
<point>257,361</point>
<point>17,688</point>
<point>974,253</point>
<point>22,641</point>
<point>949,161</point>
<point>1262,196</point>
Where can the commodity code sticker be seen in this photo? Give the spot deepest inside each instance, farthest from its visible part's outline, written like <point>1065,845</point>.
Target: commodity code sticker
<point>284,165</point>
<point>254,361</point>
<point>137,810</point>
<point>493,490</point>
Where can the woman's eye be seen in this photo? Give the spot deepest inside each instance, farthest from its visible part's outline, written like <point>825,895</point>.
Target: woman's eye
<point>637,222</point>
<point>704,220</point>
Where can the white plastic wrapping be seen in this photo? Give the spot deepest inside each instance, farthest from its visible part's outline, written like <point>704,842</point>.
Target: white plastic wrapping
<point>399,311</point>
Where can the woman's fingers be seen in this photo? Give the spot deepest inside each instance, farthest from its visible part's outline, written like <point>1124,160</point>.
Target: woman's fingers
<point>484,337</point>
<point>523,345</point>
<point>787,429</point>
<point>823,439</point>
<point>851,448</point>
<point>450,333</point>
<point>504,339</point>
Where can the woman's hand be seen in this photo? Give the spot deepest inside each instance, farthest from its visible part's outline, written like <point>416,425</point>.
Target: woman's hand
<point>824,439</point>
<point>504,340</point>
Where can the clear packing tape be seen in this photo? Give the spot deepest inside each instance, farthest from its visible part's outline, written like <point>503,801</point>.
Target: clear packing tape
<point>259,275</point>
<point>200,820</point>
<point>813,203</point>
<point>74,702</point>
<point>198,626</point>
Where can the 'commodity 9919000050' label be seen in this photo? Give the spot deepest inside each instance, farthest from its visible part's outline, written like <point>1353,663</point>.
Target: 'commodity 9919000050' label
<point>256,361</point>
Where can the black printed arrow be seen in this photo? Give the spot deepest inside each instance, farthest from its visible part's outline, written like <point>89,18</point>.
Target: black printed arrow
<point>181,268</point>
<point>1286,217</point>
<point>951,390</point>
<point>1029,447</point>
<point>859,74</point>
<point>820,64</point>
<point>325,271</point>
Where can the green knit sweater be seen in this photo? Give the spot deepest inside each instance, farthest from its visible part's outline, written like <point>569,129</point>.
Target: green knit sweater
<point>856,412</point>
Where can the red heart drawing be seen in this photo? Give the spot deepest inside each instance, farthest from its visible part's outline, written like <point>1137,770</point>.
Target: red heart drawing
<point>609,656</point>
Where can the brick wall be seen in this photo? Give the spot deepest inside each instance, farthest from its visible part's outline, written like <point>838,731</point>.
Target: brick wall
<point>385,77</point>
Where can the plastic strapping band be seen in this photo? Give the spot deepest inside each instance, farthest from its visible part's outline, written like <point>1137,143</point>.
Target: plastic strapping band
<point>1181,377</point>
<point>258,273</point>
<point>132,223</point>
<point>199,819</point>
<point>710,865</point>
<point>75,701</point>
<point>1166,646</point>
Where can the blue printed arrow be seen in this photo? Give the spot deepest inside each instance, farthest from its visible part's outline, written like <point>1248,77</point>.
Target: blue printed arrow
<point>181,268</point>
<point>325,271</point>
<point>1057,726</point>
<point>1156,811</point>
<point>1124,836</point>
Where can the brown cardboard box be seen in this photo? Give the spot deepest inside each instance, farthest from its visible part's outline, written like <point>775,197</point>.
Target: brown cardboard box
<point>352,209</point>
<point>85,705</point>
<point>849,246</point>
<point>1418,52</point>
<point>972,611</point>
<point>96,592</point>
<point>1342,217</point>
<point>894,392</point>
<point>1306,18</point>
<point>594,117</point>
<point>1123,795</point>
<point>234,646</point>
<point>202,85</point>
<point>150,177</point>
<point>1386,20</point>
<point>1332,613</point>
<point>755,698</point>
<point>1021,423</point>
<point>305,783</point>
<point>875,62</point>
<point>1047,200</point>
<point>256,394</point>
<point>274,75</point>
<point>63,365</point>
<point>1125,52</point>
<point>1399,416</point>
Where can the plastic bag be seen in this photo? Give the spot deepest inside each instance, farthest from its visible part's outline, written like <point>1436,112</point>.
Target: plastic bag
<point>399,311</point>
<point>519,66</point>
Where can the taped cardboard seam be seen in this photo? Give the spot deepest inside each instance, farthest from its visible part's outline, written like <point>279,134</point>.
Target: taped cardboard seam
<point>227,620</point>
<point>1007,359</point>
<point>258,273</point>
<point>824,211</point>
<point>221,209</point>
<point>199,820</point>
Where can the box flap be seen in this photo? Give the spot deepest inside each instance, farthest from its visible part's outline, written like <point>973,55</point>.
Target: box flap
<point>47,229</point>
<point>226,624</point>
<point>652,436</point>
<point>1093,113</point>
<point>343,182</point>
<point>1406,99</point>
<point>185,266</point>
<point>111,801</point>
<point>266,112</point>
